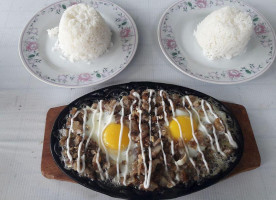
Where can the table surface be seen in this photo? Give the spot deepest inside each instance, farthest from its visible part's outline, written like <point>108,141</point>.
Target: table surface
<point>24,102</point>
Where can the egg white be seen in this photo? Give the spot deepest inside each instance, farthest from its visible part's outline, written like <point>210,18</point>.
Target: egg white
<point>179,112</point>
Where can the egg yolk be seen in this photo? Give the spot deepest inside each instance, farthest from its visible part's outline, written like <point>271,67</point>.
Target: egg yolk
<point>186,128</point>
<point>111,136</point>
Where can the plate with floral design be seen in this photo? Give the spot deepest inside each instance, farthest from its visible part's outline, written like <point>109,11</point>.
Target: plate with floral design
<point>175,36</point>
<point>40,59</point>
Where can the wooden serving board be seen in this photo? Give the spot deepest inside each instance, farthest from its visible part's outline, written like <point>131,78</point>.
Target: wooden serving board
<point>250,159</point>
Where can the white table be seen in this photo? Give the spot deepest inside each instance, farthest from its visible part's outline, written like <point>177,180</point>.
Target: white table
<point>24,102</point>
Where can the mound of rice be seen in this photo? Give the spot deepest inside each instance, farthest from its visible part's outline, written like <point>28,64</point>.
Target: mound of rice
<point>83,34</point>
<point>224,33</point>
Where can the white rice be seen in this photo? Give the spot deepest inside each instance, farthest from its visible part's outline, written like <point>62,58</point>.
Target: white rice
<point>53,32</point>
<point>83,34</point>
<point>224,33</point>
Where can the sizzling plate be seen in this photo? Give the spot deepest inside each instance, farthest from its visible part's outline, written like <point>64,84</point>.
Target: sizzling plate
<point>117,91</point>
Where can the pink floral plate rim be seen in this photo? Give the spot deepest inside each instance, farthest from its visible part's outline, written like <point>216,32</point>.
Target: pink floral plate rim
<point>82,76</point>
<point>233,74</point>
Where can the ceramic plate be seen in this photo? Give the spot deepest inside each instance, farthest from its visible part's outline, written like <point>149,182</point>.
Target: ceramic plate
<point>175,35</point>
<point>35,47</point>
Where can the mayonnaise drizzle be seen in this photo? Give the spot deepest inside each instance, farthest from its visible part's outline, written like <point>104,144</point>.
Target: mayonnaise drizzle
<point>213,128</point>
<point>162,149</point>
<point>69,135</point>
<point>102,143</point>
<point>80,145</point>
<point>98,134</point>
<point>192,125</point>
<point>162,146</point>
<point>164,108</point>
<point>167,124</point>
<point>129,144</point>
<point>92,129</point>
<point>172,143</point>
<point>182,139</point>
<point>226,132</point>
<point>172,147</point>
<point>200,123</point>
<point>120,139</point>
<point>147,183</point>
<point>98,164</point>
<point>150,96</point>
<point>135,94</point>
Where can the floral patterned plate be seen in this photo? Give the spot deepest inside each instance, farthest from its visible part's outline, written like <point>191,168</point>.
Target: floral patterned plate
<point>175,35</point>
<point>35,47</point>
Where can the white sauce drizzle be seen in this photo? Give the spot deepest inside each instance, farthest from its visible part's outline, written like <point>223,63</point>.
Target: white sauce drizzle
<point>150,95</point>
<point>213,128</point>
<point>129,144</point>
<point>164,110</point>
<point>102,143</point>
<point>120,139</point>
<point>69,135</point>
<point>186,149</point>
<point>192,125</point>
<point>80,145</point>
<point>135,94</point>
<point>147,183</point>
<point>172,143</point>
<point>167,123</point>
<point>226,132</point>
<point>98,151</point>
<point>181,136</point>
<point>100,139</point>
<point>162,149</point>
<point>98,164</point>
<point>200,123</point>
<point>172,147</point>
<point>92,129</point>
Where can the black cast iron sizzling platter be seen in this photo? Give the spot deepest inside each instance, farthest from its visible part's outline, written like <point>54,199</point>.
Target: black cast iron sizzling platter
<point>128,192</point>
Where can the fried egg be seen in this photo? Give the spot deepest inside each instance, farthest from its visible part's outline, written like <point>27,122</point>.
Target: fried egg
<point>182,119</point>
<point>106,133</point>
